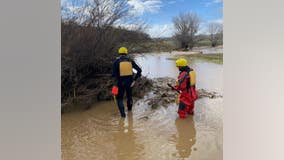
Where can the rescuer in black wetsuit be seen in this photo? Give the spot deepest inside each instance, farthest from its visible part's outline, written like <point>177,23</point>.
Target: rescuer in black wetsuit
<point>125,79</point>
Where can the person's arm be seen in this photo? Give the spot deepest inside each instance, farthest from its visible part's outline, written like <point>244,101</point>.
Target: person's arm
<point>181,82</point>
<point>138,69</point>
<point>115,72</point>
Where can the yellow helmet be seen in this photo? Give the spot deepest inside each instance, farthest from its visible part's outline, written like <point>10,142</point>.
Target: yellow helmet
<point>122,50</point>
<point>181,62</point>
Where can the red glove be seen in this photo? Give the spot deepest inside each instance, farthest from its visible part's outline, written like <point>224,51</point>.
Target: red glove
<point>114,90</point>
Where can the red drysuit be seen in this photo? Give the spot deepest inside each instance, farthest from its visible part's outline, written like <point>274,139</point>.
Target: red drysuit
<point>187,96</point>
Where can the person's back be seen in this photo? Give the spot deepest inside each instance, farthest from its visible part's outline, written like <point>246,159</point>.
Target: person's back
<point>123,69</point>
<point>123,74</point>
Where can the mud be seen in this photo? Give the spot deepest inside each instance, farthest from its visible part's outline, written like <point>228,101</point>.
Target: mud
<point>162,95</point>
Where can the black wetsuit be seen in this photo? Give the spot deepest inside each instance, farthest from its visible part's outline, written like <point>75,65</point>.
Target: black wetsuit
<point>124,82</point>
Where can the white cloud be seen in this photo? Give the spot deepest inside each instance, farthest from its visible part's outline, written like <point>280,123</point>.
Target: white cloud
<point>202,28</point>
<point>138,7</point>
<point>161,30</point>
<point>133,26</point>
<point>207,4</point>
<point>220,20</point>
<point>204,25</point>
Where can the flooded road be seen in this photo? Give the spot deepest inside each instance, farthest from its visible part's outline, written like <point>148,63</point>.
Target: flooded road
<point>147,134</point>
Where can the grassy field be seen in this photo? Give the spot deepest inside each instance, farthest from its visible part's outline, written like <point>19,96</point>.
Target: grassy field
<point>214,58</point>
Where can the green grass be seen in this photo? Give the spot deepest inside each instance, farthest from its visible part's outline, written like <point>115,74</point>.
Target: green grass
<point>205,42</point>
<point>214,58</point>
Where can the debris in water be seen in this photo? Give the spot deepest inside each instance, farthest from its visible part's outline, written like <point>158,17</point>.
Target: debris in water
<point>144,118</point>
<point>163,95</point>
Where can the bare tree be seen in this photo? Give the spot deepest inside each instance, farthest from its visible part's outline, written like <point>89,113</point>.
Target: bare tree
<point>89,39</point>
<point>186,25</point>
<point>101,13</point>
<point>215,31</point>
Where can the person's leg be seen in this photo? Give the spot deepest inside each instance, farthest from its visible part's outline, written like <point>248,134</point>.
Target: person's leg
<point>182,110</point>
<point>129,97</point>
<point>120,105</point>
<point>191,109</point>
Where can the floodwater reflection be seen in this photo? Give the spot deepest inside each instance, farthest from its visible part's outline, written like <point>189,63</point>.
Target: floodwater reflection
<point>125,139</point>
<point>185,136</point>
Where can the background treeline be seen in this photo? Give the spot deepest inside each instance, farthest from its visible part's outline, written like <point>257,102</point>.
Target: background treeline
<point>187,27</point>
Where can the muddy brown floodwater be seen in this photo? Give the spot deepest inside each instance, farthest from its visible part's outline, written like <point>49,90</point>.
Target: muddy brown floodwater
<point>147,134</point>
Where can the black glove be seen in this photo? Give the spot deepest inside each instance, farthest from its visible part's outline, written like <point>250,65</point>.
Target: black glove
<point>170,86</point>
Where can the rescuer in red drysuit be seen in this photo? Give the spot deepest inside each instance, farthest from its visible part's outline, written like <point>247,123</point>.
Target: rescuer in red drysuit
<point>187,90</point>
